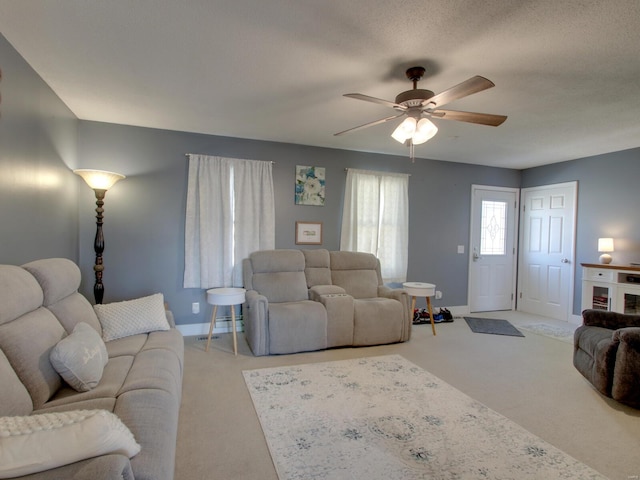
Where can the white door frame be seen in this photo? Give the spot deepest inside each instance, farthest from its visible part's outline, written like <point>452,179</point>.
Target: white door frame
<point>515,227</point>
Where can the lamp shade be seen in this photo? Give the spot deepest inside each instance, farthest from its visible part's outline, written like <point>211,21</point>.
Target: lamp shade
<point>605,244</point>
<point>405,130</point>
<point>99,179</point>
<point>425,130</point>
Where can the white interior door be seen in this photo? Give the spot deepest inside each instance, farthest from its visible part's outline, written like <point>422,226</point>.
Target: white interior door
<point>547,233</point>
<point>492,271</point>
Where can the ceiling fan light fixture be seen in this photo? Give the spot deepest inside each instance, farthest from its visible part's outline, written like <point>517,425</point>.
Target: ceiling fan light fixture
<point>405,130</point>
<point>425,130</point>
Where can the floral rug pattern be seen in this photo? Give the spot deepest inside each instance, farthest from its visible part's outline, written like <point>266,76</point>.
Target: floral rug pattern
<point>564,334</point>
<point>386,418</point>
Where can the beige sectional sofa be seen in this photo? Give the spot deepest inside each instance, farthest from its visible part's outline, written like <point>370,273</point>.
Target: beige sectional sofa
<point>138,391</point>
<point>304,300</point>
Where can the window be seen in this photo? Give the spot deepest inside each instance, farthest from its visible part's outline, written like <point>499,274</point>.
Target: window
<point>375,219</point>
<point>230,213</point>
<point>492,228</point>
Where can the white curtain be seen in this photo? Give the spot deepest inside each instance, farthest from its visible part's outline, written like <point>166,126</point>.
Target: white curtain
<point>230,213</point>
<point>375,219</point>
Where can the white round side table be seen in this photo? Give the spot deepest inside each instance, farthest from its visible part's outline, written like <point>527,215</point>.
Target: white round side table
<point>225,296</point>
<point>420,289</point>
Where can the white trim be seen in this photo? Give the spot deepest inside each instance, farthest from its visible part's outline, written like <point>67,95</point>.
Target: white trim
<point>223,325</point>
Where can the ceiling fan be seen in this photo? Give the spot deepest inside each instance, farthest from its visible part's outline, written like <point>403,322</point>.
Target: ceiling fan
<point>420,105</point>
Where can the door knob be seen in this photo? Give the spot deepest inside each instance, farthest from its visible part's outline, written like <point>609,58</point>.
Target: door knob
<point>565,260</point>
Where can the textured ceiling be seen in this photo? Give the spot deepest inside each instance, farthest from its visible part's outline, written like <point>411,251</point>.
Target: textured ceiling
<point>567,72</point>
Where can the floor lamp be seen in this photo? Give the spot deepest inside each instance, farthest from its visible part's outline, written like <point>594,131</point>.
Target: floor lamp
<point>100,181</point>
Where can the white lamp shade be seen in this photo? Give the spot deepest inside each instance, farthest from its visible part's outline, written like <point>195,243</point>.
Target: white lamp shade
<point>99,179</point>
<point>405,130</point>
<point>605,244</point>
<point>425,131</point>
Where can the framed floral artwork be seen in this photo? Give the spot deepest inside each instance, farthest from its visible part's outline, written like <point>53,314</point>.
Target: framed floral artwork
<point>309,185</point>
<point>308,233</point>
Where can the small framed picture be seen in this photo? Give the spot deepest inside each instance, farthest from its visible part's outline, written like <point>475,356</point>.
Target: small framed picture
<point>308,233</point>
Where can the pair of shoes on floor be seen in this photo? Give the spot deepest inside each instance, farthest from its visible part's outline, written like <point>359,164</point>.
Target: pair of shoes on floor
<point>443,316</point>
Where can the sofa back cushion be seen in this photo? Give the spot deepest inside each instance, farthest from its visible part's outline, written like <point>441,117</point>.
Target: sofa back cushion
<point>28,332</point>
<point>59,279</point>
<point>27,342</point>
<point>14,398</point>
<point>317,270</point>
<point>278,275</point>
<point>357,272</point>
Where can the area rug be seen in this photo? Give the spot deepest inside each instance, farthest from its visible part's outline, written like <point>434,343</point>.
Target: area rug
<point>384,418</point>
<point>492,326</point>
<point>564,334</point>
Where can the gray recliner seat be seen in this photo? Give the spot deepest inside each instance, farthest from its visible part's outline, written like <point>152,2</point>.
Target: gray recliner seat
<point>607,353</point>
<point>279,317</point>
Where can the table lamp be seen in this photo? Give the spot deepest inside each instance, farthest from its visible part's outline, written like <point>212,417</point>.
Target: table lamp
<point>605,245</point>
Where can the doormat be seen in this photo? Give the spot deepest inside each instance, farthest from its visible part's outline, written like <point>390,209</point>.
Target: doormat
<point>492,326</point>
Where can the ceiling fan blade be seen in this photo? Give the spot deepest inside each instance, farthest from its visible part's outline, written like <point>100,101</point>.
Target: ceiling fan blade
<point>367,98</point>
<point>472,85</point>
<point>370,124</point>
<point>471,117</point>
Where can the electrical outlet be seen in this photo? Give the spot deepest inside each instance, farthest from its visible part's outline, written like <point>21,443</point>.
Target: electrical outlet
<point>438,294</point>
<point>460,248</point>
<point>195,307</point>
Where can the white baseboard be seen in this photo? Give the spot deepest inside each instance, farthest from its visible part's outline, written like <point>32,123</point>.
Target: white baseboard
<point>223,325</point>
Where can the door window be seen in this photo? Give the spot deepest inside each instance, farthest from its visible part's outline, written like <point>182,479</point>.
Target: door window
<point>492,228</point>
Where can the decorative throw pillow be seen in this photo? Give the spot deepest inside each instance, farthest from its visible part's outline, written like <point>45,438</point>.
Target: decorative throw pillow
<point>40,442</point>
<point>80,358</point>
<point>131,317</point>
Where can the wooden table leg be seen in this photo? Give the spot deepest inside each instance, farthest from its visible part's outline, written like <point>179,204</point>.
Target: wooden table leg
<point>233,327</point>
<point>413,308</point>
<point>433,325</point>
<point>213,323</point>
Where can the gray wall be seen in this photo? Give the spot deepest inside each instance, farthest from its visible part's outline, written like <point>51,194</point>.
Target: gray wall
<point>144,214</point>
<point>38,192</point>
<point>47,211</point>
<point>608,201</point>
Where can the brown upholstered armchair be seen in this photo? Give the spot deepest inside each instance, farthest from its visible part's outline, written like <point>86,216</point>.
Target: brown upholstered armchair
<point>607,353</point>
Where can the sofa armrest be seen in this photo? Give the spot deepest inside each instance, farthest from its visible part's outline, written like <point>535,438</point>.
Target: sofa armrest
<point>317,291</point>
<point>629,336</point>
<point>626,372</point>
<point>610,320</point>
<point>256,322</point>
<point>401,295</point>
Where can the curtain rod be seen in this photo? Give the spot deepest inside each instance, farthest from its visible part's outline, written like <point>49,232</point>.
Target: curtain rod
<point>347,169</point>
<point>189,154</point>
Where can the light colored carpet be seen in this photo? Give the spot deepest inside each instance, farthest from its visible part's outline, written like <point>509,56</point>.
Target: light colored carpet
<point>529,380</point>
<point>385,418</point>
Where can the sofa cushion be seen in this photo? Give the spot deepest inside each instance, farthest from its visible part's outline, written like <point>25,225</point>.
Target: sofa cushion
<point>377,321</point>
<point>27,342</point>
<point>80,358</point>
<point>14,397</point>
<point>316,268</point>
<point>20,293</point>
<point>279,275</point>
<point>356,272</point>
<point>36,443</point>
<point>58,277</point>
<point>131,317</point>
<point>297,327</point>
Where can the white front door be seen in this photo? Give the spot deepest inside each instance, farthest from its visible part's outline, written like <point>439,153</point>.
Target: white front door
<point>492,265</point>
<point>547,233</point>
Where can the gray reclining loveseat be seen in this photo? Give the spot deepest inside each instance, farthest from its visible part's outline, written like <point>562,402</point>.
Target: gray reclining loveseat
<point>304,300</point>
